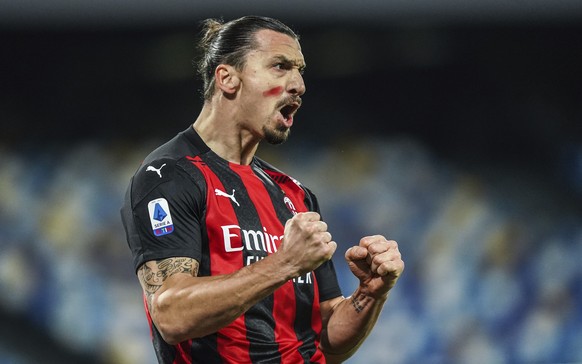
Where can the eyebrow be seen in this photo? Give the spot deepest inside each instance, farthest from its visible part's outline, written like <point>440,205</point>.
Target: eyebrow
<point>300,65</point>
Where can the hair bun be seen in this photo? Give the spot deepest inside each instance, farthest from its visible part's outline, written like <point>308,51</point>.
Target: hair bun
<point>211,28</point>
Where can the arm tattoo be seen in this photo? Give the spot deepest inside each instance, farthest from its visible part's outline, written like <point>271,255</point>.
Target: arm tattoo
<point>153,274</point>
<point>358,305</point>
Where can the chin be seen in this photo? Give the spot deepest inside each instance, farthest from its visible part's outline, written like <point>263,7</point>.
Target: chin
<point>277,136</point>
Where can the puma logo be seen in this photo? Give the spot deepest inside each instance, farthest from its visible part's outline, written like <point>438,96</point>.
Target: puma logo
<point>224,194</point>
<point>157,170</point>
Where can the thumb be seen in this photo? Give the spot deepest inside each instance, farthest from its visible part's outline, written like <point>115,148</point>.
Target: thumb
<point>356,253</point>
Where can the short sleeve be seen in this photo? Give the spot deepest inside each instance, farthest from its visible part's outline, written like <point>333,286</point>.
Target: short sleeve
<point>162,212</point>
<point>325,274</point>
<point>327,281</point>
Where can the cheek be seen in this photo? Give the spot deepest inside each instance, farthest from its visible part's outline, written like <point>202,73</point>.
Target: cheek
<point>275,91</point>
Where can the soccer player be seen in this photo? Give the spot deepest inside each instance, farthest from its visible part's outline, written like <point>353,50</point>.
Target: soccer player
<point>232,254</point>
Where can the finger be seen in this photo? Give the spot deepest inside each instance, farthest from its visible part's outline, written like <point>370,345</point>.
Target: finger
<point>356,253</point>
<point>369,260</point>
<point>323,237</point>
<point>391,267</point>
<point>378,248</point>
<point>321,225</point>
<point>331,248</point>
<point>386,262</point>
<point>383,246</point>
<point>302,218</point>
<point>327,237</point>
<point>368,240</point>
<point>316,226</point>
<point>309,216</point>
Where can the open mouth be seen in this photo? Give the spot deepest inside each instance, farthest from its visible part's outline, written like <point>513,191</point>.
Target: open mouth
<point>289,108</point>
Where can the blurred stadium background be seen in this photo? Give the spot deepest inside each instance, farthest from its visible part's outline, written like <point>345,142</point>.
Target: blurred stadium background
<point>453,127</point>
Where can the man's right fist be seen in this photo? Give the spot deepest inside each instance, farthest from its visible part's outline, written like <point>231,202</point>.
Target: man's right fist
<point>306,243</point>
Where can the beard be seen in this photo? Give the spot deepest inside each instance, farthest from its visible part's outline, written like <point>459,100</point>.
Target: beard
<point>276,135</point>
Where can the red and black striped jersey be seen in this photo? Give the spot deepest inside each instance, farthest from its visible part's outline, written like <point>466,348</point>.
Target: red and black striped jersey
<point>185,200</point>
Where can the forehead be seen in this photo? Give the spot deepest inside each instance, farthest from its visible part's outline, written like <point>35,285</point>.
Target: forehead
<point>273,44</point>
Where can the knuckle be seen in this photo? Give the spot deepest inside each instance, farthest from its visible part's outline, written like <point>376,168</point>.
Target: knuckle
<point>377,260</point>
<point>322,237</point>
<point>377,248</point>
<point>310,215</point>
<point>377,238</point>
<point>310,228</point>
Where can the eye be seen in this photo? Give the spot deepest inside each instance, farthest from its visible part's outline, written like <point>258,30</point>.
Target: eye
<point>285,65</point>
<point>280,66</point>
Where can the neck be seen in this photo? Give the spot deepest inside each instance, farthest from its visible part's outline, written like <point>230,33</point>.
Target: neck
<point>224,135</point>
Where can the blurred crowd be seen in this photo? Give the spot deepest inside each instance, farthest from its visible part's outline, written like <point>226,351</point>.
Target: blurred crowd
<point>492,259</point>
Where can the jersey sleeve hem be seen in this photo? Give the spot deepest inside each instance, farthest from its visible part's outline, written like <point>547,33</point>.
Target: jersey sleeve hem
<point>329,294</point>
<point>150,256</point>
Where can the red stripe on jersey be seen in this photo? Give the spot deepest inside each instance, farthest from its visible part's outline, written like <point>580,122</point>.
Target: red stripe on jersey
<point>297,196</point>
<point>284,313</point>
<point>284,297</point>
<point>183,351</point>
<point>232,343</point>
<point>148,316</point>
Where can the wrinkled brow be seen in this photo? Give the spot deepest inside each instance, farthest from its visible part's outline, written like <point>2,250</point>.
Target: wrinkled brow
<point>300,64</point>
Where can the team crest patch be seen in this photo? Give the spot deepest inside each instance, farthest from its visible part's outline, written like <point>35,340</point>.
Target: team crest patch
<point>160,217</point>
<point>290,205</point>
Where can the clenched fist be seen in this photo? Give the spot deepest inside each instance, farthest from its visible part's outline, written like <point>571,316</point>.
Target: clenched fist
<point>306,243</point>
<point>377,263</point>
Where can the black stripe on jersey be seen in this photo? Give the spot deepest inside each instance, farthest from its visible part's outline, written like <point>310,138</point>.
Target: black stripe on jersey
<point>303,328</point>
<point>277,195</point>
<point>303,325</point>
<point>259,320</point>
<point>200,352</point>
<point>164,352</point>
<point>204,350</point>
<point>189,166</point>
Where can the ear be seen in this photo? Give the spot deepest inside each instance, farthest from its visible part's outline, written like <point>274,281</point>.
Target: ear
<point>227,79</point>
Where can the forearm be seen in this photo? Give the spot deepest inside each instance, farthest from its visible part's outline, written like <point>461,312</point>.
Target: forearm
<point>188,307</point>
<point>350,322</point>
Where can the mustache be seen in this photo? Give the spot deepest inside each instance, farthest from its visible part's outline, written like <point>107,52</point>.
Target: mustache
<point>289,100</point>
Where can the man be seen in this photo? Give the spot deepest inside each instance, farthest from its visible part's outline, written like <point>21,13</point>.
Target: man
<point>231,253</point>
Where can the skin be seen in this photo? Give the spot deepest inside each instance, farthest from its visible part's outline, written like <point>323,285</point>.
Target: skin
<point>244,110</point>
<point>239,115</point>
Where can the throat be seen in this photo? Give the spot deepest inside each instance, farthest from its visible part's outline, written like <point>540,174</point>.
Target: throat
<point>238,148</point>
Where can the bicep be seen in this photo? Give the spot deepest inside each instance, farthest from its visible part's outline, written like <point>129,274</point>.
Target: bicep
<point>153,274</point>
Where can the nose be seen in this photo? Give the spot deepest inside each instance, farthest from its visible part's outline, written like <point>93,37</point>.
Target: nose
<point>296,86</point>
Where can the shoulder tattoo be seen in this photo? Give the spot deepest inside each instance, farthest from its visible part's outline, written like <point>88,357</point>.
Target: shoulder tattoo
<point>152,274</point>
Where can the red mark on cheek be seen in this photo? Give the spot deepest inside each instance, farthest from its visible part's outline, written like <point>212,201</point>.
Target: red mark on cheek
<point>275,91</point>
